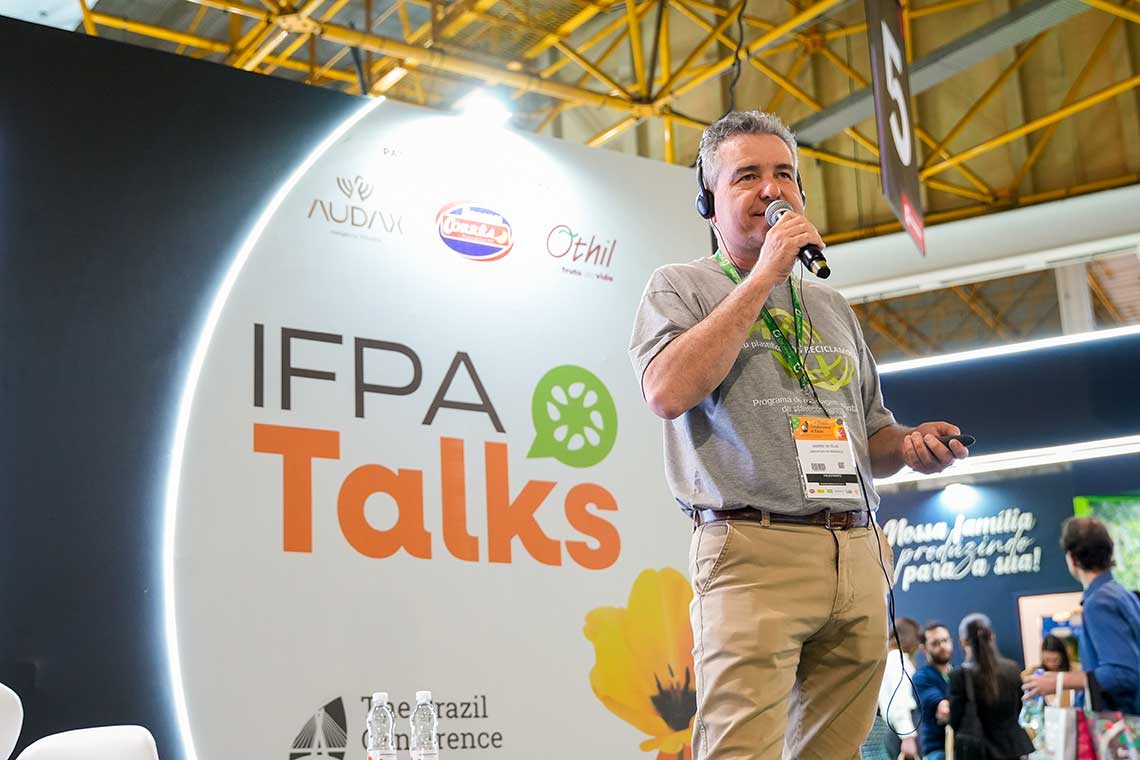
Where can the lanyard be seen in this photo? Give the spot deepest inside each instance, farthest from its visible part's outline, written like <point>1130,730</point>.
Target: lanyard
<point>790,355</point>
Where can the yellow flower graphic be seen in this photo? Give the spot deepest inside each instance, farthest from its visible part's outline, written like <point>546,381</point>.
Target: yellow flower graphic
<point>643,669</point>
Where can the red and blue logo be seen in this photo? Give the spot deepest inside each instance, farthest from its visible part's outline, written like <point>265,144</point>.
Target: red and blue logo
<point>475,232</point>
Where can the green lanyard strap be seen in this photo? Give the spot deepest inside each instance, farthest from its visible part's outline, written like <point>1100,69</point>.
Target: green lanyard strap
<point>790,355</point>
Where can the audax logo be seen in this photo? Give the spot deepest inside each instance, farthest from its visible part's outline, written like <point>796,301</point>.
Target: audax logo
<point>355,186</point>
<point>477,233</point>
<point>353,215</point>
<point>325,734</point>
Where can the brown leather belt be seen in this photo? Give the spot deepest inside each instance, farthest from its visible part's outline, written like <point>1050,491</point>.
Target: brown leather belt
<point>824,519</point>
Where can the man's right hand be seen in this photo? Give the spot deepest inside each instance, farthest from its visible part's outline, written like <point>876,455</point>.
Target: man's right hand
<point>782,245</point>
<point>942,712</point>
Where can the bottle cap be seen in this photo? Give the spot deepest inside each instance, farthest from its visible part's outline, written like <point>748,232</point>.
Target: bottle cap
<point>380,697</point>
<point>423,696</point>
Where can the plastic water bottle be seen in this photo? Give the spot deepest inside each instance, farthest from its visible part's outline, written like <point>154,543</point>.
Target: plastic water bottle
<point>381,727</point>
<point>1032,714</point>
<point>424,743</point>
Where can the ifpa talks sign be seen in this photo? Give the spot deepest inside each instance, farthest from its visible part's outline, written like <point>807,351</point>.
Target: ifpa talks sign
<point>412,455</point>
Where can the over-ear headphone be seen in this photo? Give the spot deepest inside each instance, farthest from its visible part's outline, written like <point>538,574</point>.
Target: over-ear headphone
<point>706,204</point>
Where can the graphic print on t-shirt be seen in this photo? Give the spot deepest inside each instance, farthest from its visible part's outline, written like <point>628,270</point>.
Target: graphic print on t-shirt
<point>830,367</point>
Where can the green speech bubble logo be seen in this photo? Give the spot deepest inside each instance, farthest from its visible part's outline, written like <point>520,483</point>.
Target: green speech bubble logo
<point>575,420</point>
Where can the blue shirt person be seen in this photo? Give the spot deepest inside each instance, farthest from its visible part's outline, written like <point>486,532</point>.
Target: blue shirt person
<point>932,682</point>
<point>1110,634</point>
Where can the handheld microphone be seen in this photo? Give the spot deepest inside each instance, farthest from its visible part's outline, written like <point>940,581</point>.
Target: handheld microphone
<point>810,254</point>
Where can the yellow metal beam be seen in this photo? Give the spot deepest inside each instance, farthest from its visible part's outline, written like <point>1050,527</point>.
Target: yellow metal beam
<point>798,39</point>
<point>563,106</point>
<point>1115,10</point>
<point>564,31</point>
<point>241,9</point>
<point>794,70</point>
<point>615,25</point>
<point>433,59</point>
<point>1058,115</point>
<point>973,179</point>
<point>194,24</point>
<point>841,64</point>
<point>822,155</point>
<point>910,330</point>
<point>978,210</point>
<point>1009,71</point>
<point>158,33</point>
<point>970,296</point>
<point>668,95</point>
<point>669,134</point>
<point>1039,148</point>
<point>1103,298</point>
<point>948,5</point>
<point>833,158</point>
<point>635,48</point>
<point>88,23</point>
<point>611,132</point>
<point>701,47</point>
<point>386,73</point>
<point>302,40</point>
<point>591,69</point>
<point>252,41</point>
<point>879,325</point>
<point>930,10</point>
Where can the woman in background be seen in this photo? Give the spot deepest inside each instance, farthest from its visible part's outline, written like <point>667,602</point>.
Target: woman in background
<point>996,687</point>
<point>1055,659</point>
<point>1055,655</point>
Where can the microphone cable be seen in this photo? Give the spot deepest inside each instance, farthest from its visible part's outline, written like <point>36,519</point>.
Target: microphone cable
<point>874,526</point>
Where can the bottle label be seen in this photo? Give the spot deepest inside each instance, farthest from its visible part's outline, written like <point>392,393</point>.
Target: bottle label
<point>425,754</point>
<point>381,754</point>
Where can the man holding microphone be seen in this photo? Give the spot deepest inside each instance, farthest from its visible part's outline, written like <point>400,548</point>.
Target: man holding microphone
<point>774,427</point>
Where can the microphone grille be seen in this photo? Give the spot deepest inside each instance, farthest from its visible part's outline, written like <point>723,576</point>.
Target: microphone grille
<point>775,210</point>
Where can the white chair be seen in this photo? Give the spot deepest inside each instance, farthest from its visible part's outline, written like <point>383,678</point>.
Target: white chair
<point>105,743</point>
<point>11,719</point>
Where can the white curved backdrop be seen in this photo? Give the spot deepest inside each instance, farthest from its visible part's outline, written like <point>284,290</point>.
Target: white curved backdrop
<point>416,457</point>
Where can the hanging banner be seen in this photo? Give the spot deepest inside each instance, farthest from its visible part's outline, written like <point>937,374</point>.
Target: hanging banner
<point>898,158</point>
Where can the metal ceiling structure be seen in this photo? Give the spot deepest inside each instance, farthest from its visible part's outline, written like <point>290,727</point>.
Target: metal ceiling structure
<point>1015,104</point>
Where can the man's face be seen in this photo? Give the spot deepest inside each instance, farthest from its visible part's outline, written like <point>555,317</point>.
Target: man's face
<point>754,170</point>
<point>939,646</point>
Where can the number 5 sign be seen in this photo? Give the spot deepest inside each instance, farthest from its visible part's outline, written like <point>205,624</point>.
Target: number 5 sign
<point>892,113</point>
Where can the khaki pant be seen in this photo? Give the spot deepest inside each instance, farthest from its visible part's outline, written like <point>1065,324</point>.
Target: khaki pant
<point>789,639</point>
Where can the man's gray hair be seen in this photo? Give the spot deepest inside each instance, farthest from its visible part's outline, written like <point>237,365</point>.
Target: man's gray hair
<point>740,123</point>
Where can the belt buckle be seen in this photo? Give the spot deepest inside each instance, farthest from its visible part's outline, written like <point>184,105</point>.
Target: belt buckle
<point>827,520</point>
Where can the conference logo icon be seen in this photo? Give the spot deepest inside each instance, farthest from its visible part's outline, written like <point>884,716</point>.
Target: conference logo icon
<point>357,186</point>
<point>475,232</point>
<point>575,418</point>
<point>324,735</point>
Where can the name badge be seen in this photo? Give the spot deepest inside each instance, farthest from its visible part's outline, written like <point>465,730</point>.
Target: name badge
<point>826,458</point>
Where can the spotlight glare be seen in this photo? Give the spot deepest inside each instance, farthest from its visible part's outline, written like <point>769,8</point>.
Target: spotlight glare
<point>959,497</point>
<point>480,105</point>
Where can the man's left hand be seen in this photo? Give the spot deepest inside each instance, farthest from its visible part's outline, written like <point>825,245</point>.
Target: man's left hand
<point>924,453</point>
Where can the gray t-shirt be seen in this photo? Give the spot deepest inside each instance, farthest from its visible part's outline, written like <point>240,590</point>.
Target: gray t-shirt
<point>735,447</point>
